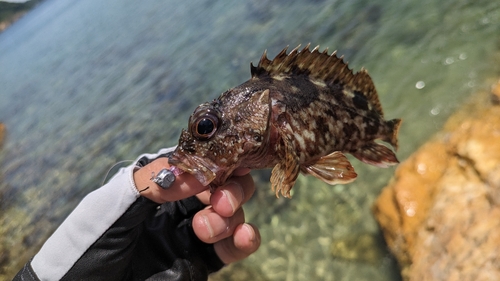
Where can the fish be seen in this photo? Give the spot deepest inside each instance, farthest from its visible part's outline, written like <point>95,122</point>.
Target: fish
<point>300,112</point>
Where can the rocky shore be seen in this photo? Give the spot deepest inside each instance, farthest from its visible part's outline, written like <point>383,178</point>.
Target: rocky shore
<point>440,213</point>
<point>11,12</point>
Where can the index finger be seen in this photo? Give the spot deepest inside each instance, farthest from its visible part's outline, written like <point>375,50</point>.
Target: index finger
<point>189,184</point>
<point>241,171</point>
<point>205,196</point>
<point>184,186</point>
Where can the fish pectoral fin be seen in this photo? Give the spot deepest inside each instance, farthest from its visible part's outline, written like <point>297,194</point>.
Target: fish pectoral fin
<point>285,173</point>
<point>377,155</point>
<point>333,168</point>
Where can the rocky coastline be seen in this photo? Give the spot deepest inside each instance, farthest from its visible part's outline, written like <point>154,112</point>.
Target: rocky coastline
<point>11,12</point>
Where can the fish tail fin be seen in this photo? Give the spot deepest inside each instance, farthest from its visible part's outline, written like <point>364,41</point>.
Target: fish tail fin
<point>392,135</point>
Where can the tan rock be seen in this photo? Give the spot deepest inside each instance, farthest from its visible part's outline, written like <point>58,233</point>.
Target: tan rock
<point>441,212</point>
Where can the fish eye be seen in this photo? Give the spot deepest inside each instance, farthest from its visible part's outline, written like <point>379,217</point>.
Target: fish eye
<point>204,126</point>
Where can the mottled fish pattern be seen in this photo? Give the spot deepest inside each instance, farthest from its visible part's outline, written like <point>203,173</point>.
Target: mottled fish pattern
<point>300,112</point>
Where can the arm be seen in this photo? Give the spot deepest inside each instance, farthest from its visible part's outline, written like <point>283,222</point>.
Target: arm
<point>125,238</point>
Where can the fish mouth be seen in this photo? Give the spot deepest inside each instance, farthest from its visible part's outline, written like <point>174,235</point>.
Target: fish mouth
<point>201,168</point>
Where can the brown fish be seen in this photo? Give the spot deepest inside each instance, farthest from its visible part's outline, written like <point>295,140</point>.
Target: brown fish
<point>298,112</point>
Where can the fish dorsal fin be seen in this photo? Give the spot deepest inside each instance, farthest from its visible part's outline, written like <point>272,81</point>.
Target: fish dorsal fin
<point>320,66</point>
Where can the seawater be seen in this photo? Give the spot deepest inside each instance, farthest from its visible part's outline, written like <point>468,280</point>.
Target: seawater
<point>86,84</point>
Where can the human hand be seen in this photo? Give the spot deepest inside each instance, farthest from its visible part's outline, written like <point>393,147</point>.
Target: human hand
<point>222,222</point>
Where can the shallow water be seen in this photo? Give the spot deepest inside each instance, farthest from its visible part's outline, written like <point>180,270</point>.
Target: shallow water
<point>86,84</point>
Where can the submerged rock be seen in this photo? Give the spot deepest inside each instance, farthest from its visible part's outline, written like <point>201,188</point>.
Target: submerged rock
<point>364,247</point>
<point>440,214</point>
<point>2,134</point>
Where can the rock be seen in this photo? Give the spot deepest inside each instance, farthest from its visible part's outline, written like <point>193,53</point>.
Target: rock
<point>2,134</point>
<point>363,247</point>
<point>11,11</point>
<point>440,214</point>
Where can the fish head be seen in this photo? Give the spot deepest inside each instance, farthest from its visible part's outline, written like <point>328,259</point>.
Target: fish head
<point>222,135</point>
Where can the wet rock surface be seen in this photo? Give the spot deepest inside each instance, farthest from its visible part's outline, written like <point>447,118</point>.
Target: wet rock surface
<point>440,214</point>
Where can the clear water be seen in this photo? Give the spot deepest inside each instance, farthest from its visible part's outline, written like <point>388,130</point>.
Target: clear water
<point>86,84</point>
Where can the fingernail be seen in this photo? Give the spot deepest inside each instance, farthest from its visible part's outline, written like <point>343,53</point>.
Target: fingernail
<point>219,225</point>
<point>251,232</point>
<point>207,224</point>
<point>233,200</point>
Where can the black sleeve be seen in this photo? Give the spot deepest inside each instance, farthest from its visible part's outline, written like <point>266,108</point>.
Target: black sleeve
<point>149,243</point>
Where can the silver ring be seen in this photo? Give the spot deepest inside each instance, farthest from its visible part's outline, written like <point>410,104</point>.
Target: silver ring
<point>164,179</point>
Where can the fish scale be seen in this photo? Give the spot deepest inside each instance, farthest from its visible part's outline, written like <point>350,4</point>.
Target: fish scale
<point>300,112</point>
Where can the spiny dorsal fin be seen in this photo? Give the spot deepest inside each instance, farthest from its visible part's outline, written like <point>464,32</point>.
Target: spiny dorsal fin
<point>320,66</point>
